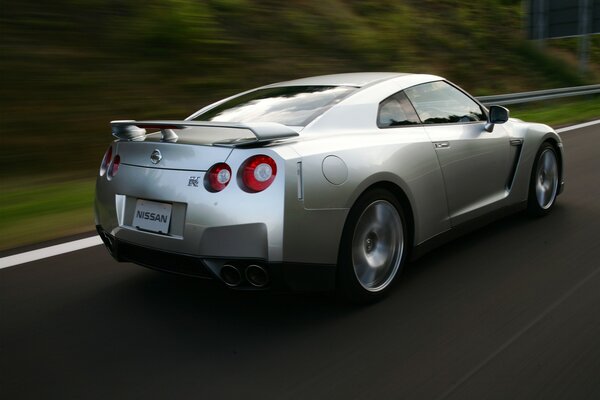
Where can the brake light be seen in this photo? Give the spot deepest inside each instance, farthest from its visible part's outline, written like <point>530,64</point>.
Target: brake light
<point>217,177</point>
<point>106,161</point>
<point>114,167</point>
<point>258,172</point>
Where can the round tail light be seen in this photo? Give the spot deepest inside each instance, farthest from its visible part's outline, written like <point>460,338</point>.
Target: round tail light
<point>258,172</point>
<point>106,161</point>
<point>217,177</point>
<point>114,167</point>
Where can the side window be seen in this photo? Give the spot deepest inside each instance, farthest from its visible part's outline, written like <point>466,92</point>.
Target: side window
<point>441,103</point>
<point>396,110</point>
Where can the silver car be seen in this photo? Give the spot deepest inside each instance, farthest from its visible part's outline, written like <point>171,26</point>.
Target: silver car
<point>330,182</point>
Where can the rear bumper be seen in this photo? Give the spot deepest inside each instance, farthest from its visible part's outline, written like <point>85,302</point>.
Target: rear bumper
<point>231,223</point>
<point>281,275</point>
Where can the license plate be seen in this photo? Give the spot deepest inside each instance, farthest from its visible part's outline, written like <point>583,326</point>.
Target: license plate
<point>152,216</point>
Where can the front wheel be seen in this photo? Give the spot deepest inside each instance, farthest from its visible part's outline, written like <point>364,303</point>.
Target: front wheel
<point>543,187</point>
<point>373,247</point>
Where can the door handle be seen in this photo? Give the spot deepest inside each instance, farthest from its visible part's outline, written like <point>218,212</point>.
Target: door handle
<point>441,145</point>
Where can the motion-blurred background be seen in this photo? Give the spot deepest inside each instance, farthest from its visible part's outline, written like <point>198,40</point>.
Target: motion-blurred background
<point>68,67</point>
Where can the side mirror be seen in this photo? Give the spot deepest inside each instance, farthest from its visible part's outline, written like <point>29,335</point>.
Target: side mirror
<point>497,115</point>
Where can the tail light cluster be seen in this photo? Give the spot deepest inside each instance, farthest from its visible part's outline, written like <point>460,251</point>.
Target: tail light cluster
<point>106,161</point>
<point>258,173</point>
<point>217,177</point>
<point>255,175</point>
<point>110,165</point>
<point>114,167</point>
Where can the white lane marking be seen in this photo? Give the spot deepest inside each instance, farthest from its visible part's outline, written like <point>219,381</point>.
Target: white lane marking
<point>573,127</point>
<point>51,251</point>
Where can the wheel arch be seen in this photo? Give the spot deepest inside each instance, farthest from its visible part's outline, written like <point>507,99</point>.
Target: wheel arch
<point>534,207</point>
<point>402,198</point>
<point>553,140</point>
<point>407,210</point>
<point>558,150</point>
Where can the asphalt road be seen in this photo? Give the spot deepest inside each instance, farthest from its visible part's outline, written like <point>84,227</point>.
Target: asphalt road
<point>509,312</point>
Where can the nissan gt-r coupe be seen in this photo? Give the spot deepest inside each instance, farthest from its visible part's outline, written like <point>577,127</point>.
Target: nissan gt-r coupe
<point>329,182</point>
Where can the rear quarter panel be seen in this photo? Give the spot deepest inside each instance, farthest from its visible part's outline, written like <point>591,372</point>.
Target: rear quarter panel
<point>401,156</point>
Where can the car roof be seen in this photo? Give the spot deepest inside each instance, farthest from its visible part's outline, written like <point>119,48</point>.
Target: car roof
<point>357,79</point>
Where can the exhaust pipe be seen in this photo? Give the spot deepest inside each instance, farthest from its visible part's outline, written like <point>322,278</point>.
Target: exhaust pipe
<point>257,276</point>
<point>231,275</point>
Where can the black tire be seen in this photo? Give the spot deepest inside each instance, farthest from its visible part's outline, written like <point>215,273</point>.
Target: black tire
<point>544,182</point>
<point>373,248</point>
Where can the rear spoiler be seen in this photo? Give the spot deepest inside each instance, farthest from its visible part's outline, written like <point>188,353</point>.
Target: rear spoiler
<point>263,131</point>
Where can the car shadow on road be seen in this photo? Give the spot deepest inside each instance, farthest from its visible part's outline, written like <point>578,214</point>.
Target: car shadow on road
<point>497,241</point>
<point>146,298</point>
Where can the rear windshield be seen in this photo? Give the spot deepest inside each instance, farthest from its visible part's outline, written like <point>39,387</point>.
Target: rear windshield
<point>288,105</point>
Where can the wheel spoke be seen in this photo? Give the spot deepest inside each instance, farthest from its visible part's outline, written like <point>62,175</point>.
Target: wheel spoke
<point>377,245</point>
<point>549,161</point>
<point>368,276</point>
<point>546,185</point>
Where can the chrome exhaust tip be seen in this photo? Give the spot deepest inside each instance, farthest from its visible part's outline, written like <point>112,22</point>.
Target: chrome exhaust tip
<point>257,276</point>
<point>231,275</point>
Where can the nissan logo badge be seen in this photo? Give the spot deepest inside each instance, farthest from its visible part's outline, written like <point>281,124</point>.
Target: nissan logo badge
<point>155,157</point>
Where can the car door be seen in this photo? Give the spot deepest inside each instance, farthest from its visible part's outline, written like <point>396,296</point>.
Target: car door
<point>474,162</point>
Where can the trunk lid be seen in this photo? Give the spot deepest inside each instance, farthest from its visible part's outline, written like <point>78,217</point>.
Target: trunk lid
<point>183,155</point>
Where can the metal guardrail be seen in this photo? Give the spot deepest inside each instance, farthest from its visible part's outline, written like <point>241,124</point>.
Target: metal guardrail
<point>525,97</point>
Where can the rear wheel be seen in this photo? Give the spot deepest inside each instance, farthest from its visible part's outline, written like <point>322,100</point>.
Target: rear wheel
<point>373,247</point>
<point>543,187</point>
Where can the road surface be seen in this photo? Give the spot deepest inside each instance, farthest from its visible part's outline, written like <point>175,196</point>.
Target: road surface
<point>511,311</point>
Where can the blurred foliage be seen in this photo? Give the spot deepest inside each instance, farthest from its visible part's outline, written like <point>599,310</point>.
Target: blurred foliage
<point>68,67</point>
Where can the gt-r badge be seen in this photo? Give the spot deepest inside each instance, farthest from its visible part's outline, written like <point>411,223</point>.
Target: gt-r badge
<point>193,181</point>
<point>155,157</point>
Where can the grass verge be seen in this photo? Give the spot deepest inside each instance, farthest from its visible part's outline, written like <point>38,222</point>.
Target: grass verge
<point>559,112</point>
<point>34,209</point>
